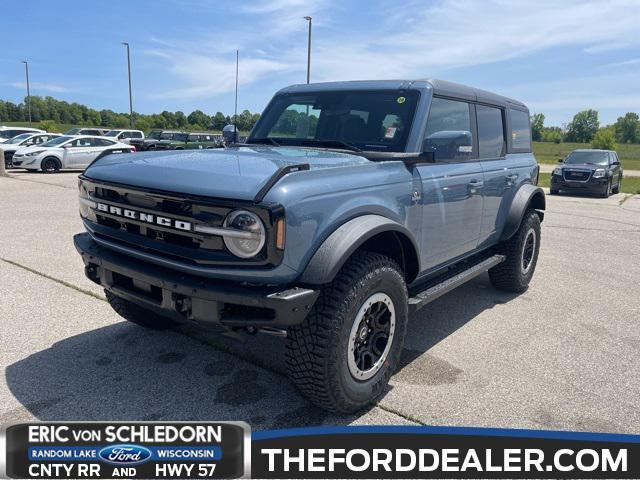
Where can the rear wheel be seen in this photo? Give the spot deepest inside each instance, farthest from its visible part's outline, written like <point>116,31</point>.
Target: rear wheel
<point>137,314</point>
<point>50,165</point>
<point>521,252</point>
<point>342,356</point>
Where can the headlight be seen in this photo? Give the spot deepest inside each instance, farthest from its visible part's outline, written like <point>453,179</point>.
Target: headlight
<point>85,201</point>
<point>557,171</point>
<point>33,154</point>
<point>250,234</point>
<point>599,173</point>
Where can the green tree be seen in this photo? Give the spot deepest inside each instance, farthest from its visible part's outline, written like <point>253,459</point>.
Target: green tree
<point>627,128</point>
<point>48,125</point>
<point>537,124</point>
<point>218,121</point>
<point>604,139</point>
<point>198,117</point>
<point>583,127</point>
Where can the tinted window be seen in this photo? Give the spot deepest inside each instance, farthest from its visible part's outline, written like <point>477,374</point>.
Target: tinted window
<point>136,135</point>
<point>101,142</point>
<point>194,138</point>
<point>449,130</point>
<point>520,131</point>
<point>594,157</point>
<point>353,117</point>
<point>490,132</point>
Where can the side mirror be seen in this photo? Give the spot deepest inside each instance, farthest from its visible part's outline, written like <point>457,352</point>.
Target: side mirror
<point>66,146</point>
<point>560,160</point>
<point>449,145</point>
<point>615,162</point>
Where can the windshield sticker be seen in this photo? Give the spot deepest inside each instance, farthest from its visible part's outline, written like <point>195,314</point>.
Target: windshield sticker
<point>390,132</point>
<point>401,100</point>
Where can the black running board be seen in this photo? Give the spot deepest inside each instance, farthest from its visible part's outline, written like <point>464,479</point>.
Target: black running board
<point>435,291</point>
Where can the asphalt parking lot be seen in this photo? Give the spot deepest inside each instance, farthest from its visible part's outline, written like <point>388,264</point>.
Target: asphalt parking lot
<point>563,355</point>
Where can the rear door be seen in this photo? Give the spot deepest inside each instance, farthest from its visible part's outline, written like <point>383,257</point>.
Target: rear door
<point>503,172</point>
<point>452,186</point>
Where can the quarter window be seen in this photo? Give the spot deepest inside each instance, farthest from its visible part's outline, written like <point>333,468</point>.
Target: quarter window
<point>520,131</point>
<point>491,142</point>
<point>449,134</point>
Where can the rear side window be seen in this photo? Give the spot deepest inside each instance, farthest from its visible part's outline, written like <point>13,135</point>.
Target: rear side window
<point>449,130</point>
<point>520,131</point>
<point>136,135</point>
<point>491,141</point>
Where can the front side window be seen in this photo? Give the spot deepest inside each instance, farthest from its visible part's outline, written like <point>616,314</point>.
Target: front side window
<point>80,143</point>
<point>340,119</point>
<point>449,134</point>
<point>491,142</point>
<point>136,135</point>
<point>520,130</point>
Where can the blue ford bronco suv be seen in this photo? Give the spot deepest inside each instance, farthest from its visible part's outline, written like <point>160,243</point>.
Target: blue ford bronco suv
<point>350,206</point>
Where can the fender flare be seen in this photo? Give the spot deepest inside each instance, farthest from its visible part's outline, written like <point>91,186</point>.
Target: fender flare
<point>344,241</point>
<point>528,196</point>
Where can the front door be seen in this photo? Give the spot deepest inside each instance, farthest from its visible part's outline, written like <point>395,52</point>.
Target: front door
<point>452,187</point>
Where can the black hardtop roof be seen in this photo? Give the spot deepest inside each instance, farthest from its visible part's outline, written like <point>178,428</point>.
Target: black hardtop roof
<point>440,87</point>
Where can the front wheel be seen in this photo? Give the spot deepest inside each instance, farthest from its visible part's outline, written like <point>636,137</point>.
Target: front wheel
<point>617,188</point>
<point>342,356</point>
<point>607,190</point>
<point>50,165</point>
<point>521,252</point>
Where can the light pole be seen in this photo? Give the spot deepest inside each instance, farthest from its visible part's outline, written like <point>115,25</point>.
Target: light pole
<point>26,69</point>
<point>308,19</point>
<point>130,96</point>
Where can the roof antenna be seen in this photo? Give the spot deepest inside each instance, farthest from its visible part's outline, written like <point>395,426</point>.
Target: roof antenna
<point>235,111</point>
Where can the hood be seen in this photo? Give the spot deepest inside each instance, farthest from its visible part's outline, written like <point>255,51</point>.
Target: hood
<point>582,166</point>
<point>32,148</point>
<point>235,173</point>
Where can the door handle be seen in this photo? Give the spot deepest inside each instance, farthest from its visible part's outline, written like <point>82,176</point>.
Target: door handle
<point>511,179</point>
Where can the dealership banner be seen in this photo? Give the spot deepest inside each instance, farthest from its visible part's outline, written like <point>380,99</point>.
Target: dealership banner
<point>229,450</point>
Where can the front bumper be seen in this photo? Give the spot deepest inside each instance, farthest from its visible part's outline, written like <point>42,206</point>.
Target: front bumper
<point>593,185</point>
<point>183,297</point>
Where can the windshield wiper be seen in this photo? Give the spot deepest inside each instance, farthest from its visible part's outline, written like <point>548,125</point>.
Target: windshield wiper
<point>264,140</point>
<point>328,143</point>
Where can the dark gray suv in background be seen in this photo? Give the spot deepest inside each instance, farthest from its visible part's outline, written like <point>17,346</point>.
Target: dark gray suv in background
<point>588,171</point>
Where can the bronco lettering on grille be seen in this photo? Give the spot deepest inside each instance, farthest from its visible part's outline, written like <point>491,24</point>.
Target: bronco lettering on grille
<point>144,217</point>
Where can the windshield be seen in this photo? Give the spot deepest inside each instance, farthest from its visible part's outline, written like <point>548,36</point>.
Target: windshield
<point>8,133</point>
<point>355,120</point>
<point>56,141</point>
<point>18,139</point>
<point>594,158</point>
<point>112,133</point>
<point>73,131</point>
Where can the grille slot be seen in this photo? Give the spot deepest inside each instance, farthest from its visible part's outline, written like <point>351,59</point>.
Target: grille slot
<point>576,175</point>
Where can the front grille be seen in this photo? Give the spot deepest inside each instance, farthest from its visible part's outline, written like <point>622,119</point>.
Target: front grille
<point>576,175</point>
<point>174,244</point>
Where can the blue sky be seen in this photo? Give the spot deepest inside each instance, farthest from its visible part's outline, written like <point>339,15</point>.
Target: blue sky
<point>558,57</point>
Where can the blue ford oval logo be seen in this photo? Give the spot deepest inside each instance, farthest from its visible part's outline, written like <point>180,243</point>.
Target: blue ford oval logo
<point>125,454</point>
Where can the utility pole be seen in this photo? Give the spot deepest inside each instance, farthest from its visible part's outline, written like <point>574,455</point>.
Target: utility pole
<point>235,109</point>
<point>26,69</point>
<point>130,96</point>
<point>308,19</point>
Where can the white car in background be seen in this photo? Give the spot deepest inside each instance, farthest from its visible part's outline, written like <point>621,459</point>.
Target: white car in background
<point>67,152</point>
<point>124,136</point>
<point>24,140</point>
<point>87,131</point>
<point>7,133</point>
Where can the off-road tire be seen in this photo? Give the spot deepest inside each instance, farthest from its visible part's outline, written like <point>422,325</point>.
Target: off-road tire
<point>317,350</point>
<point>50,165</point>
<point>137,314</point>
<point>510,275</point>
<point>616,189</point>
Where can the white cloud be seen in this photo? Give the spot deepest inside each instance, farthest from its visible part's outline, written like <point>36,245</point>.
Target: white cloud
<point>35,86</point>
